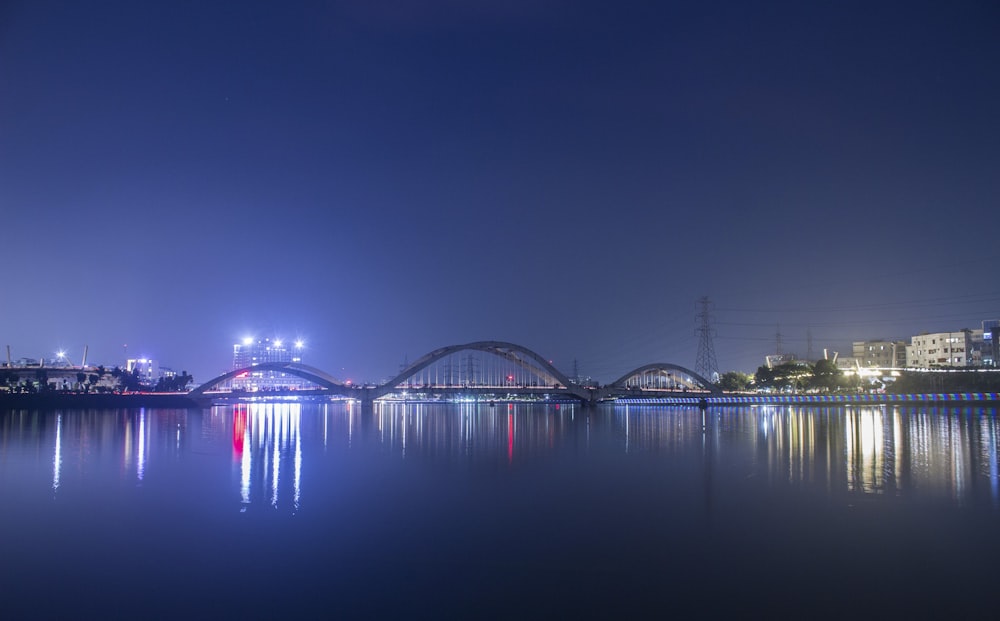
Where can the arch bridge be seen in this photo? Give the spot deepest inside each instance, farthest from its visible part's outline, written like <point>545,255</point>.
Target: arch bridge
<point>659,379</point>
<point>483,368</point>
<point>324,380</point>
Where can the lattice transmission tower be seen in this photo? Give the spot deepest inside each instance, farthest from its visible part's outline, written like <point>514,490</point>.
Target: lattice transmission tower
<point>705,365</point>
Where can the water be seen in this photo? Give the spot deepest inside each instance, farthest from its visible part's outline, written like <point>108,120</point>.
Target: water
<point>510,511</point>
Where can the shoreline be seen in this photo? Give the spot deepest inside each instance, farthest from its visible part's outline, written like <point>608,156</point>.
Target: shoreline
<point>58,400</point>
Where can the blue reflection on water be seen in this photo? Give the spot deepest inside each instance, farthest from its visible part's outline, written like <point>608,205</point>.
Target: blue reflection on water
<point>611,510</point>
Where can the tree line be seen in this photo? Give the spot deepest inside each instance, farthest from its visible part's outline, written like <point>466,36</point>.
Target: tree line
<point>824,376</point>
<point>38,380</point>
<point>821,376</point>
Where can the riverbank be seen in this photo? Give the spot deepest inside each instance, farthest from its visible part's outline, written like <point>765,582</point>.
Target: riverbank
<point>69,400</point>
<point>989,398</point>
<point>72,400</point>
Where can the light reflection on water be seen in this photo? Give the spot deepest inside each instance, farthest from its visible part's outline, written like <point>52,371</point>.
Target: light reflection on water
<point>266,435</point>
<point>926,452</point>
<point>624,503</point>
<point>931,452</point>
<point>501,432</point>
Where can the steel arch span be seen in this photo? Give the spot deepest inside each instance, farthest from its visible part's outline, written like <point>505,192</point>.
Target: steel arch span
<point>303,371</point>
<point>621,384</point>
<point>516,354</point>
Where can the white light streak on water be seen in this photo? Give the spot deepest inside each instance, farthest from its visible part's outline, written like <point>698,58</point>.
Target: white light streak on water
<point>959,457</point>
<point>245,463</point>
<point>897,443</point>
<point>627,430</point>
<point>990,437</point>
<point>57,459</point>
<point>298,458</point>
<point>275,465</point>
<point>871,450</point>
<point>140,464</point>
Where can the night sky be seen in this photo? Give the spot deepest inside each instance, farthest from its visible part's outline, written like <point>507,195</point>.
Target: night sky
<point>385,178</point>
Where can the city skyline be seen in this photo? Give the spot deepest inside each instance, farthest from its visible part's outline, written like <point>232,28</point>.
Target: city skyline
<point>277,349</point>
<point>384,179</point>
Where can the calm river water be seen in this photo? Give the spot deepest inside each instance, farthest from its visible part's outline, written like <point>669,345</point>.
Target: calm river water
<point>506,511</point>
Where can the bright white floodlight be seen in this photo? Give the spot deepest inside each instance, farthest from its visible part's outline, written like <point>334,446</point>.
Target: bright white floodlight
<point>299,344</point>
<point>248,340</point>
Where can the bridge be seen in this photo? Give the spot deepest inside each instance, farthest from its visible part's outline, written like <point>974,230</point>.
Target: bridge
<point>482,369</point>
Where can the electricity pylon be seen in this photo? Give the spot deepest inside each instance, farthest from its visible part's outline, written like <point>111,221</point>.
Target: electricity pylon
<point>705,365</point>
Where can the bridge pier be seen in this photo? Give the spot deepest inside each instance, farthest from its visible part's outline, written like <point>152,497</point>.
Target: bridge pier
<point>367,402</point>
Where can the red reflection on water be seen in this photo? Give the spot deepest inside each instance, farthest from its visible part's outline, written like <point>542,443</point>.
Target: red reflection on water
<point>239,429</point>
<point>510,438</point>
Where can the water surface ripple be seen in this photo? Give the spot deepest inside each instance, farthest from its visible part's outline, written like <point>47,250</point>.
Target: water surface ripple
<point>499,510</point>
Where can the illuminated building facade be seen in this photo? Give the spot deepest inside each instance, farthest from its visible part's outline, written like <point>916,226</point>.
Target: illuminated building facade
<point>991,343</point>
<point>148,369</point>
<point>945,349</point>
<point>880,354</point>
<point>253,352</point>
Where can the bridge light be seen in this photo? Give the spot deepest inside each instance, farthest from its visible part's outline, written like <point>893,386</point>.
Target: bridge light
<point>299,344</point>
<point>277,342</point>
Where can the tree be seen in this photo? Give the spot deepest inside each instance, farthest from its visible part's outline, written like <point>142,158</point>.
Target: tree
<point>175,383</point>
<point>786,376</point>
<point>826,376</point>
<point>42,376</point>
<point>6,377</point>
<point>735,381</point>
<point>764,377</point>
<point>127,381</point>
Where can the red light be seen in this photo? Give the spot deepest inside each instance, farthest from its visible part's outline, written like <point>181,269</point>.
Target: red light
<point>239,430</point>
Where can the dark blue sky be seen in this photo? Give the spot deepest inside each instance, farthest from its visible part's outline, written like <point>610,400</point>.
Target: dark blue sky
<point>385,178</point>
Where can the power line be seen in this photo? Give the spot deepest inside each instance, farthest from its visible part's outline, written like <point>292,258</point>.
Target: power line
<point>889,276</point>
<point>940,301</point>
<point>852,323</point>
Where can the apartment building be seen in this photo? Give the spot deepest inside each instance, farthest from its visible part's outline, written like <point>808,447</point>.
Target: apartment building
<point>945,349</point>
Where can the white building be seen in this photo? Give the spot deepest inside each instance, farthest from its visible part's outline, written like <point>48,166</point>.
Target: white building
<point>880,354</point>
<point>149,370</point>
<point>945,349</point>
<point>252,352</point>
<point>991,343</point>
